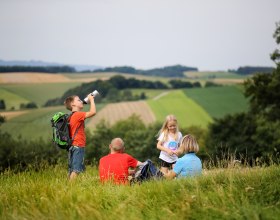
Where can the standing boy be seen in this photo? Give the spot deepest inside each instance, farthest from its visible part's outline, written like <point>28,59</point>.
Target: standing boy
<point>77,123</point>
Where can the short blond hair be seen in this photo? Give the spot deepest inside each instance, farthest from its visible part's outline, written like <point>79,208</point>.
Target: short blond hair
<point>117,144</point>
<point>68,101</point>
<point>188,144</point>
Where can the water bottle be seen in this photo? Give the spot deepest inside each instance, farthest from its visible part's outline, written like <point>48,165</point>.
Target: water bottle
<point>94,93</point>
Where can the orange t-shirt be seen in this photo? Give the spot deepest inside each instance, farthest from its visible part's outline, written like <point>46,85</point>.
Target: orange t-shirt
<point>115,167</point>
<point>77,121</point>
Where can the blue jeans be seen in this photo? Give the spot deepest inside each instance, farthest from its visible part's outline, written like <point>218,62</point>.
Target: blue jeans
<point>76,159</point>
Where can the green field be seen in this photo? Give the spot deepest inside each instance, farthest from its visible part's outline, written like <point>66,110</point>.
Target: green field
<point>219,101</point>
<point>232,193</point>
<point>38,93</point>
<point>36,123</point>
<point>185,109</point>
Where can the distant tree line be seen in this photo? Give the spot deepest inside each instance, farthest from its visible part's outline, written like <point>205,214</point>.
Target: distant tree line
<point>247,70</point>
<point>169,71</point>
<point>177,84</point>
<point>117,89</point>
<point>41,69</point>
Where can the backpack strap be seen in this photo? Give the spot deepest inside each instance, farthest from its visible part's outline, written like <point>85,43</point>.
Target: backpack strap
<point>72,139</point>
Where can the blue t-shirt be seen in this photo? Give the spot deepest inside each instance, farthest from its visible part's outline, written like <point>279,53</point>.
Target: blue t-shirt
<point>188,165</point>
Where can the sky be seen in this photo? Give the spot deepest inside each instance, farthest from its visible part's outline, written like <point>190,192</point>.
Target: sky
<point>208,34</point>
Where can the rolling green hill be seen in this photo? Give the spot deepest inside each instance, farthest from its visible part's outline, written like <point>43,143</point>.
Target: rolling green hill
<point>185,109</point>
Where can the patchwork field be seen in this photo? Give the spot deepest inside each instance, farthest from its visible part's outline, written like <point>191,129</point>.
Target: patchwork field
<point>192,106</point>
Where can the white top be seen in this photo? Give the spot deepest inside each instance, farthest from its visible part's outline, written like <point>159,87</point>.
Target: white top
<point>172,144</point>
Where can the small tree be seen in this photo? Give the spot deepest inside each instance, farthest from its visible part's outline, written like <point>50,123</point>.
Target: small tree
<point>2,119</point>
<point>2,104</point>
<point>29,105</point>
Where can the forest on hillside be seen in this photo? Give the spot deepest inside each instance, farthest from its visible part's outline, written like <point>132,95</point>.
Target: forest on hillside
<point>117,88</point>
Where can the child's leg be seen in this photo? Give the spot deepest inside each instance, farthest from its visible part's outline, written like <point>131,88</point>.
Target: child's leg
<point>77,162</point>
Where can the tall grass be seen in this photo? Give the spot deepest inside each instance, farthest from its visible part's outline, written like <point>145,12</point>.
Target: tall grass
<point>232,193</point>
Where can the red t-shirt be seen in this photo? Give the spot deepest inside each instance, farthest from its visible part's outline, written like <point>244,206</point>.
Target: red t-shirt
<point>115,167</point>
<point>77,120</point>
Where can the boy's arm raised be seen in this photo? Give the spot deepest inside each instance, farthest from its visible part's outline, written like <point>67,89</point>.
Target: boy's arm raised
<point>92,110</point>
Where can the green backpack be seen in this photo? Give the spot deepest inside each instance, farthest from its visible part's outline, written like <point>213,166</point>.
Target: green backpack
<point>61,133</point>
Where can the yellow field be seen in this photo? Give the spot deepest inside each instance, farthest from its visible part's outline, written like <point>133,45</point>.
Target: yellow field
<point>17,78</point>
<point>120,111</point>
<point>228,81</point>
<point>12,114</point>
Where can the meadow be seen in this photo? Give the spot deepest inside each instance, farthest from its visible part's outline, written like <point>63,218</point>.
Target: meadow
<point>231,193</point>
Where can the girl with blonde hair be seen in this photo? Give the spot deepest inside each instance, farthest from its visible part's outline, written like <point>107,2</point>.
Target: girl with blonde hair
<point>168,143</point>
